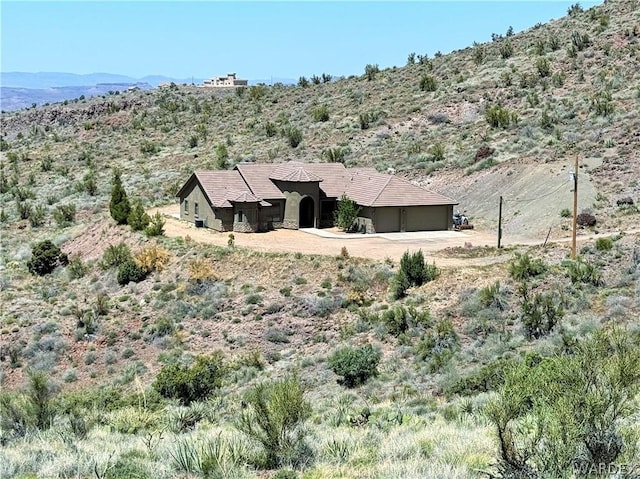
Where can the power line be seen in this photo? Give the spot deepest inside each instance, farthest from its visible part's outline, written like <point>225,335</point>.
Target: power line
<point>528,200</point>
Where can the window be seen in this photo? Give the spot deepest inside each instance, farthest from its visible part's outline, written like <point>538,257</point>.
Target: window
<point>186,206</point>
<point>240,216</point>
<point>195,209</point>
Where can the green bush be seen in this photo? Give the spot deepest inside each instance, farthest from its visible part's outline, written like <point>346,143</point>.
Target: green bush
<point>355,365</point>
<point>45,256</point>
<point>321,114</point>
<point>499,117</point>
<point>293,135</point>
<point>437,346</point>
<point>191,383</point>
<point>565,213</point>
<point>581,271</point>
<point>346,213</point>
<point>115,255</point>
<point>156,225</point>
<point>138,219</point>
<point>275,418</point>
<point>522,267</point>
<point>604,244</point>
<point>370,71</point>
<point>129,271</point>
<point>398,319</point>
<point>413,272</point>
<point>64,214</point>
<point>567,411</point>
<point>428,83</point>
<point>76,268</point>
<point>539,314</point>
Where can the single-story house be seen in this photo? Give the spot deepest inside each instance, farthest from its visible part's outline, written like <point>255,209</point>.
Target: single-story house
<point>260,197</point>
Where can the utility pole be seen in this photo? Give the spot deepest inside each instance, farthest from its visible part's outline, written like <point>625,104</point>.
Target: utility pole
<point>575,207</point>
<point>500,223</point>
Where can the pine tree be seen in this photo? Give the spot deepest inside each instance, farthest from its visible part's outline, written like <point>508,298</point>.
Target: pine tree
<point>119,205</point>
<point>138,219</point>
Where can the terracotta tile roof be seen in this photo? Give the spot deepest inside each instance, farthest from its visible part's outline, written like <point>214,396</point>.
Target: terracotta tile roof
<point>236,196</point>
<point>219,186</point>
<point>295,172</point>
<point>257,179</point>
<point>250,183</point>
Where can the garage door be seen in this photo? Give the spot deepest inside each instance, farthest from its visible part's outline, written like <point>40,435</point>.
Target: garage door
<point>387,220</point>
<point>427,218</point>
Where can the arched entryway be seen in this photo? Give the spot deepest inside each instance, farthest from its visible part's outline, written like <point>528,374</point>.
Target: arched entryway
<point>307,213</point>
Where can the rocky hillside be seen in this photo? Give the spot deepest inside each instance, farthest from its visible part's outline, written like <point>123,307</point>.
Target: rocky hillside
<point>517,109</point>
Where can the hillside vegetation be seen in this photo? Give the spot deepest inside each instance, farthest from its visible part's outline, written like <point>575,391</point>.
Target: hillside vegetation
<point>125,353</point>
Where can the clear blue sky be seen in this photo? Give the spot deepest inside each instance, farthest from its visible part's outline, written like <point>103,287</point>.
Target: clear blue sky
<point>255,39</point>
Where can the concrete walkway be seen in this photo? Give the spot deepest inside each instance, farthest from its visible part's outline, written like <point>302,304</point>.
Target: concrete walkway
<point>407,236</point>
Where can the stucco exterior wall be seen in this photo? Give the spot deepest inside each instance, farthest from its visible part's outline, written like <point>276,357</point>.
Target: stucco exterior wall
<point>245,218</point>
<point>271,217</point>
<point>294,193</point>
<point>194,195</point>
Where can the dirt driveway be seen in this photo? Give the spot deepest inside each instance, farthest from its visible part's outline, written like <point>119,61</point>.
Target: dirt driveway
<point>378,247</point>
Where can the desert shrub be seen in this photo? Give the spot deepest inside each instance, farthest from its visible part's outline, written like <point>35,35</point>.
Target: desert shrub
<point>64,214</point>
<point>506,49</point>
<point>115,255</point>
<point>119,206</point>
<point>370,71</point>
<point>413,272</point>
<point>366,118</point>
<point>567,411</point>
<point>499,117</point>
<point>76,268</point>
<point>539,313</point>
<point>565,213</point>
<point>580,41</point>
<point>45,256</point>
<point>138,219</point>
<point>321,114</point>
<point>493,296</point>
<point>604,244</point>
<point>437,346</point>
<point>602,103</point>
<point>156,225</point>
<point>544,67</point>
<point>354,364</point>
<point>586,219</point>
<point>334,155</point>
<point>437,152</point>
<point>201,269</point>
<point>346,213</point>
<point>489,377</point>
<point>582,271</point>
<point>37,216</point>
<point>428,83</point>
<point>293,135</point>
<point>152,258</point>
<point>398,319</point>
<point>522,267</point>
<point>191,383</point>
<point>270,129</point>
<point>129,272</point>
<point>275,418</point>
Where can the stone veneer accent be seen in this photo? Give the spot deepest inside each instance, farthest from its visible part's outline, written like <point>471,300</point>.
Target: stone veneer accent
<point>290,224</point>
<point>245,227</point>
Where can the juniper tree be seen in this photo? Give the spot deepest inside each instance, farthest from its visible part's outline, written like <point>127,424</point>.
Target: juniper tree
<point>119,206</point>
